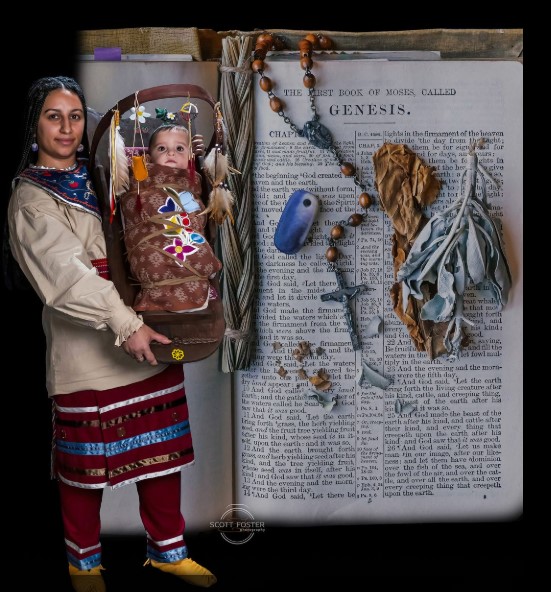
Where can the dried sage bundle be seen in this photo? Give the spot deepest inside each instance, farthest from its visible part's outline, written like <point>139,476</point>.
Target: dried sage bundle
<point>457,246</point>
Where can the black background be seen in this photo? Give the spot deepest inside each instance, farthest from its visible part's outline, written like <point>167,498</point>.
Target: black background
<point>469,552</point>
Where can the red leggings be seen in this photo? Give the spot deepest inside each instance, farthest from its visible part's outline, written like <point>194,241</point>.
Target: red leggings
<point>159,511</point>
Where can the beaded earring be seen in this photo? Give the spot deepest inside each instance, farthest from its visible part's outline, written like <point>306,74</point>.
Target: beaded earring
<point>34,147</point>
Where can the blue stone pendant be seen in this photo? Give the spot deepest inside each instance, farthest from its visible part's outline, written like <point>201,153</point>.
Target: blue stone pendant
<point>296,220</point>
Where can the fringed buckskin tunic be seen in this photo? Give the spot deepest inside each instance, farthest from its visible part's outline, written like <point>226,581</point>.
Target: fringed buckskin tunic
<point>116,421</point>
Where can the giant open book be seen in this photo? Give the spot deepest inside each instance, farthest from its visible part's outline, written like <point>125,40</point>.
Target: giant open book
<point>444,441</point>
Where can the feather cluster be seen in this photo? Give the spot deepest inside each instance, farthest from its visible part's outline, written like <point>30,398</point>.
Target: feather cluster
<point>119,178</point>
<point>216,168</point>
<point>457,246</point>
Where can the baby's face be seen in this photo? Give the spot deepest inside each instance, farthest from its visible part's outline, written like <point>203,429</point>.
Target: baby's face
<point>170,149</point>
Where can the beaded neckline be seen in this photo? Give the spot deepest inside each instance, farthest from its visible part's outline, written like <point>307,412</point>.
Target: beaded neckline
<point>47,168</point>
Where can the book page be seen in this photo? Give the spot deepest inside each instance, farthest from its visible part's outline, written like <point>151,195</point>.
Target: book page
<point>456,454</point>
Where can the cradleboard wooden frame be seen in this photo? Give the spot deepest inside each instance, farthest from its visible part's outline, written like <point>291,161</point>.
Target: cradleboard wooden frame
<point>195,335</point>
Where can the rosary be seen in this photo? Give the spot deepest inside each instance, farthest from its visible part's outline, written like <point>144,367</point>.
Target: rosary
<point>320,137</point>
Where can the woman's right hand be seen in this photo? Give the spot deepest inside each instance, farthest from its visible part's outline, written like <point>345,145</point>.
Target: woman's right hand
<point>198,145</point>
<point>137,345</point>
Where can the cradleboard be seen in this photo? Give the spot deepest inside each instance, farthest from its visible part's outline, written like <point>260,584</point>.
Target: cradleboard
<point>195,335</point>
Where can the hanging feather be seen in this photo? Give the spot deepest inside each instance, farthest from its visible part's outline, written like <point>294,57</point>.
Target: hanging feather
<point>119,178</point>
<point>221,202</point>
<point>216,168</point>
<point>215,165</point>
<point>458,245</point>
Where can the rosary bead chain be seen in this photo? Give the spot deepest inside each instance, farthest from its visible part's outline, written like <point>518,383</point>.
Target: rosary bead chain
<point>264,43</point>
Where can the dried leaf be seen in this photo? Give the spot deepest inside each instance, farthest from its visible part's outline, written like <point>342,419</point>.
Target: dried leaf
<point>276,345</point>
<point>325,400</point>
<point>320,351</point>
<point>323,374</point>
<point>498,272</point>
<point>408,409</point>
<point>298,355</point>
<point>406,185</point>
<point>433,342</point>
<point>282,372</point>
<point>476,253</point>
<point>304,346</point>
<point>403,408</point>
<point>301,351</point>
<point>366,375</point>
<point>374,326</point>
<point>302,374</point>
<point>321,380</point>
<point>442,305</point>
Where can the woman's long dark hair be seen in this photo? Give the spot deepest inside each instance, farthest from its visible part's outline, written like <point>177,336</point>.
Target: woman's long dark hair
<point>12,275</point>
<point>36,96</point>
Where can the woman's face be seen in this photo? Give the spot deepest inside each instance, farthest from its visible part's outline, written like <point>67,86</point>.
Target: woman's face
<point>60,129</point>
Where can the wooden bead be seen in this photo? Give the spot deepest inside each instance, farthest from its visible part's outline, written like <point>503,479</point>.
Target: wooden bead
<point>348,169</point>
<point>265,84</point>
<point>332,254</point>
<point>276,104</point>
<point>260,51</point>
<point>365,200</point>
<point>355,220</point>
<point>305,45</point>
<point>337,231</point>
<point>257,65</point>
<point>325,42</point>
<point>313,39</point>
<point>265,38</point>
<point>306,63</point>
<point>278,43</point>
<point>309,80</point>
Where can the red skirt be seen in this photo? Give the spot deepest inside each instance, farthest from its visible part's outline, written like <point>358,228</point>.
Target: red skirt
<point>122,435</point>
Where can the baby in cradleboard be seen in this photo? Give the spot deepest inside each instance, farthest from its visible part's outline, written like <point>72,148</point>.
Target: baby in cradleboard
<point>164,228</point>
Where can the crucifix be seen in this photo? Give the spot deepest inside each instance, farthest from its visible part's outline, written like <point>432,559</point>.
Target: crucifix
<point>344,295</point>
